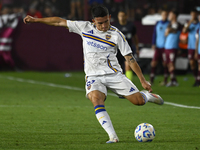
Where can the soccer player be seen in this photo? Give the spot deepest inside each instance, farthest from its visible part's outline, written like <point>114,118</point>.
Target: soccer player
<point>100,44</point>
<point>171,46</point>
<point>192,27</point>
<point>197,54</point>
<point>129,31</point>
<point>158,44</point>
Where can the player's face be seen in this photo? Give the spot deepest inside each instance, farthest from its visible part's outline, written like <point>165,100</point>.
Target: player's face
<point>171,16</point>
<point>102,23</point>
<point>194,15</point>
<point>122,17</point>
<point>164,15</point>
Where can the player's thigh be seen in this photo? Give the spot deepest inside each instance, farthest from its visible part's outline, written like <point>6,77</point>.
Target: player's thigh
<point>121,85</point>
<point>95,89</point>
<point>136,99</point>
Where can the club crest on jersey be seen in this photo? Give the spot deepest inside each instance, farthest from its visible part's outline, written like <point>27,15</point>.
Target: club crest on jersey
<point>108,37</point>
<point>89,87</point>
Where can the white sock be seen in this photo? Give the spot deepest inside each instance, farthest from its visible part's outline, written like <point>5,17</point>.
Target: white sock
<point>104,120</point>
<point>144,96</point>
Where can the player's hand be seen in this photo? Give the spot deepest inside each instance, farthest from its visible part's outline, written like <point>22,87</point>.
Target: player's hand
<point>28,19</point>
<point>147,86</point>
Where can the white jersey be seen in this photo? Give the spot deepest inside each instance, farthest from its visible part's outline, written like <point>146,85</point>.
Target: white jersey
<point>100,48</point>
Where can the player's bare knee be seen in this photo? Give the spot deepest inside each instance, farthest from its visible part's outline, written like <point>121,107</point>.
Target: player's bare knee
<point>137,99</point>
<point>96,98</point>
<point>141,101</point>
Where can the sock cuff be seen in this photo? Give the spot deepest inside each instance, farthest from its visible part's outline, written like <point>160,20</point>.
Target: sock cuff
<point>99,108</point>
<point>144,96</point>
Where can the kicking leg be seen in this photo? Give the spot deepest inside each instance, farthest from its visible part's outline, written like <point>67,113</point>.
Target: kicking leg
<point>97,98</point>
<point>144,96</point>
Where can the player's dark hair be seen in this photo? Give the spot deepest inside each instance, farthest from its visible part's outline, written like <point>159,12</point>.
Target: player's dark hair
<point>194,10</point>
<point>174,11</point>
<point>99,11</point>
<point>165,10</point>
<point>123,10</point>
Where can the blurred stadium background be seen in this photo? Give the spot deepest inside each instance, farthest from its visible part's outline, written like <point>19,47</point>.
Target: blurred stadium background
<point>39,47</point>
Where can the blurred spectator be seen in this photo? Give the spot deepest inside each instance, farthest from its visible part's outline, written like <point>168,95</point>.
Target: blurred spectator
<point>129,31</point>
<point>151,11</point>
<point>48,11</point>
<point>191,28</point>
<point>57,6</point>
<point>138,14</point>
<point>171,46</point>
<point>8,23</point>
<point>158,43</point>
<point>19,10</point>
<point>40,5</point>
<point>130,6</point>
<point>76,7</point>
<point>33,11</point>
<point>117,6</point>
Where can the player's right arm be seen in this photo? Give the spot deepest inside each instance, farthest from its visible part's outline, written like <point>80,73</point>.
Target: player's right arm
<point>53,21</point>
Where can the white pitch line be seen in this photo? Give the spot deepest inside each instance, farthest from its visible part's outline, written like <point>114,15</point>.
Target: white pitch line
<point>80,89</point>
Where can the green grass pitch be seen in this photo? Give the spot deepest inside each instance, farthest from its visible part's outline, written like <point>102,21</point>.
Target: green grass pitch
<point>38,116</point>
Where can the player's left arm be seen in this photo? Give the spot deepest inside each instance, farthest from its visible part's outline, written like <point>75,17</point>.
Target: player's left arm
<point>136,68</point>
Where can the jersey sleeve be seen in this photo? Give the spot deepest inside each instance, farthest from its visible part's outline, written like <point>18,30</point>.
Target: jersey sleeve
<point>76,26</point>
<point>122,44</point>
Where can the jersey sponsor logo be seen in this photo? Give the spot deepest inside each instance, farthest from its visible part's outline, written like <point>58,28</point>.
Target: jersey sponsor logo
<point>108,37</point>
<point>132,89</point>
<point>96,45</point>
<point>91,31</point>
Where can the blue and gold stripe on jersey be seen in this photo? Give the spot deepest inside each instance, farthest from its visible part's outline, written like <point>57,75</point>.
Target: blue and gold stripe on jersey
<point>124,39</point>
<point>112,28</point>
<point>110,66</point>
<point>89,36</point>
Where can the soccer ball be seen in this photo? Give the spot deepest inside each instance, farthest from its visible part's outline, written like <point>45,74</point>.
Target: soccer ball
<point>144,132</point>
